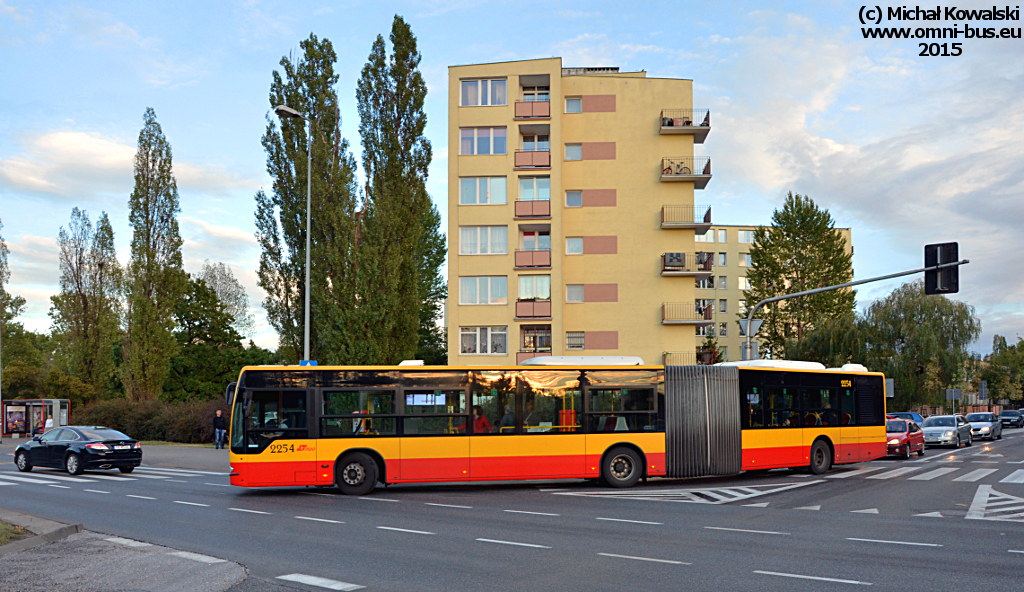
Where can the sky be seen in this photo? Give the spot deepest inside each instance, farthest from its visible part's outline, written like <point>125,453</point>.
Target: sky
<point>905,150</point>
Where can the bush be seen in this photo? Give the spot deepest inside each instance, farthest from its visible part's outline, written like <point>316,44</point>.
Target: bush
<point>188,422</point>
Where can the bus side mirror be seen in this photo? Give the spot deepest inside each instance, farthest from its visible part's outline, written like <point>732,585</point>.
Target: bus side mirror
<point>229,394</point>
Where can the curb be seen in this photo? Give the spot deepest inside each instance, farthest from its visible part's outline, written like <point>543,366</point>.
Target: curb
<point>47,530</point>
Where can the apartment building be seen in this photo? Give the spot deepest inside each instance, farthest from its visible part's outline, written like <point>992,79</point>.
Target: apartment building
<point>721,291</point>
<point>571,213</point>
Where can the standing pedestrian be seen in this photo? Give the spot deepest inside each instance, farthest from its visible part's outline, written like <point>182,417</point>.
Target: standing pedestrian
<point>220,431</point>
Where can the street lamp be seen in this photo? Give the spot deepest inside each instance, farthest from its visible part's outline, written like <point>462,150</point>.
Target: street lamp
<point>285,112</point>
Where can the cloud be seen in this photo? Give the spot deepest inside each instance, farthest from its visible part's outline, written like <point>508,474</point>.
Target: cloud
<point>34,261</point>
<point>590,49</point>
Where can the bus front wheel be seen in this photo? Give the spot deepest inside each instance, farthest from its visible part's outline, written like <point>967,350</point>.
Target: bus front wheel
<point>356,474</point>
<point>821,458</point>
<point>622,467</point>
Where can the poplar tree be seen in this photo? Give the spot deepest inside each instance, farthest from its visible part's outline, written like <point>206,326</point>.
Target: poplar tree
<point>336,331</point>
<point>800,251</point>
<point>232,294</point>
<point>12,306</point>
<point>402,247</point>
<point>86,311</point>
<point>155,279</point>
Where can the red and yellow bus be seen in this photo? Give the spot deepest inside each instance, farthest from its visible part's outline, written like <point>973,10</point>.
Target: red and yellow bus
<point>559,418</point>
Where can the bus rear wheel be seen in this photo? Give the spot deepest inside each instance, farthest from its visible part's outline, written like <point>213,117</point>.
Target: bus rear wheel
<point>622,467</point>
<point>356,474</point>
<point>821,458</point>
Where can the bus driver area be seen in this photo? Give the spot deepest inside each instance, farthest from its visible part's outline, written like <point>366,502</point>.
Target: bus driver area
<point>355,427</point>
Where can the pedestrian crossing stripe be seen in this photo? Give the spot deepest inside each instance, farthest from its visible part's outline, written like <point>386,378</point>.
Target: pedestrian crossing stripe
<point>990,504</point>
<point>716,495</point>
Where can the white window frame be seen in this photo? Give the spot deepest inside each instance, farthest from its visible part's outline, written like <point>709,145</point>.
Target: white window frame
<point>536,234</point>
<point>743,283</point>
<point>745,260</point>
<point>492,281</point>
<point>492,183</point>
<point>576,146</point>
<point>536,140</point>
<point>723,260</point>
<point>580,335</point>
<point>486,331</point>
<point>723,235</point>
<point>723,282</point>
<point>571,298</point>
<point>745,234</point>
<point>480,232</point>
<point>576,192</point>
<point>483,92</point>
<point>723,305</point>
<point>532,93</point>
<point>534,280</point>
<point>578,101</point>
<point>476,140</point>
<point>573,238</point>
<point>707,237</point>
<point>535,188</point>
<point>705,283</point>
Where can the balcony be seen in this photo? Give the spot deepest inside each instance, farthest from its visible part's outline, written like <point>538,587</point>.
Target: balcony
<point>696,217</point>
<point>687,265</point>
<point>684,313</point>
<point>686,122</point>
<point>533,259</point>
<point>687,169</point>
<point>533,110</point>
<point>687,358</point>
<point>533,209</point>
<point>533,309</point>
<point>526,159</point>
<point>523,356</point>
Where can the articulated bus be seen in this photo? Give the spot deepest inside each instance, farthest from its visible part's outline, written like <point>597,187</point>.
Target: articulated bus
<point>558,418</point>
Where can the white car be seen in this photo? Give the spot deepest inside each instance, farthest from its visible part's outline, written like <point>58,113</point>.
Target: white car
<point>985,425</point>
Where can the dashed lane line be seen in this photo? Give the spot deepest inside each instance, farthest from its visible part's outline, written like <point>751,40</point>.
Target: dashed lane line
<point>218,484</point>
<point>815,578</point>
<point>651,559</point>
<point>532,513</point>
<point>110,477</point>
<point>249,511</point>
<point>448,506</point>
<point>513,543</point>
<point>319,520</point>
<point>893,542</point>
<point>59,486</point>
<point>191,504</point>
<point>630,521</point>
<point>187,471</point>
<point>320,582</point>
<point>376,499</point>
<point>392,528</point>
<point>6,483</point>
<point>1013,551</point>
<point>175,481</point>
<point>746,530</point>
<point>95,491</point>
<point>145,497</point>
<point>162,477</point>
<point>975,475</point>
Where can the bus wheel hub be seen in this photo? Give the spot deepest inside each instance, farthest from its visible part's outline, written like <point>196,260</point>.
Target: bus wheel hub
<point>354,474</point>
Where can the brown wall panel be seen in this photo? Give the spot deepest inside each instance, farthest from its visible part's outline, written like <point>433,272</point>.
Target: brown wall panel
<point>598,150</point>
<point>601,339</point>
<point>599,198</point>
<point>600,292</point>
<point>600,245</point>
<point>598,103</point>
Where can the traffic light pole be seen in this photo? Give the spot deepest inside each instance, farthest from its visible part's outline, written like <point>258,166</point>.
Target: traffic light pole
<point>747,344</point>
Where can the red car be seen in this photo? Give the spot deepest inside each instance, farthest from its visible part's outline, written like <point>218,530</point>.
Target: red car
<point>904,437</point>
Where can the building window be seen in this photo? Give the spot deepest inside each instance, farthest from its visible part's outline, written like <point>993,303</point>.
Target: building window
<point>707,237</point>
<point>534,188</point>
<point>574,246</point>
<point>574,293</point>
<point>540,143</point>
<point>535,287</point>
<point>574,340</point>
<point>721,260</point>
<point>703,304</point>
<point>723,282</point>
<point>483,340</point>
<point>743,282</point>
<point>535,338</point>
<point>723,329</point>
<point>722,234</point>
<point>574,105</point>
<point>723,354</point>
<point>483,289</point>
<point>706,283</point>
<point>746,237</point>
<point>482,140</point>
<point>574,199</point>
<point>476,93</point>
<point>746,260</point>
<point>535,94</point>
<point>706,331</point>
<point>741,307</point>
<point>723,305</point>
<point>483,240</point>
<point>536,240</point>
<point>482,191</point>
<point>574,151</point>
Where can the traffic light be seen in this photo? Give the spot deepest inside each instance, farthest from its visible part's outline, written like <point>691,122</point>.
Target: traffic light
<point>947,279</point>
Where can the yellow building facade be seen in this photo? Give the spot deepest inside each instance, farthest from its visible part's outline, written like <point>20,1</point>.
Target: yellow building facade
<point>571,213</point>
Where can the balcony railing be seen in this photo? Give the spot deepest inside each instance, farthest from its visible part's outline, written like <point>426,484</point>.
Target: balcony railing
<point>691,169</point>
<point>533,209</point>
<point>533,258</point>
<point>533,309</point>
<point>687,264</point>
<point>686,313</point>
<point>696,123</point>
<point>533,109</point>
<point>526,159</point>
<point>526,355</point>
<point>696,217</point>
<point>687,358</point>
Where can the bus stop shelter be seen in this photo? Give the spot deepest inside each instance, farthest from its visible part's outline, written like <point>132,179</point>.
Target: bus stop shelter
<point>24,418</point>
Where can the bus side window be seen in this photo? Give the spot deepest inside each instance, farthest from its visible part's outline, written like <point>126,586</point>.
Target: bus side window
<point>847,409</point>
<point>752,409</point>
<point>782,408</point>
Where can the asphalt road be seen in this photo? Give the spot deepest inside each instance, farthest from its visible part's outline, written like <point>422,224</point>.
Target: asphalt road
<point>952,520</point>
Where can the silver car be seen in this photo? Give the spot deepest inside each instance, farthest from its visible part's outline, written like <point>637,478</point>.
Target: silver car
<point>947,430</point>
<point>985,425</point>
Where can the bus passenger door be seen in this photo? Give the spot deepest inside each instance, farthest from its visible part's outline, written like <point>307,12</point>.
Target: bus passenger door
<point>848,447</point>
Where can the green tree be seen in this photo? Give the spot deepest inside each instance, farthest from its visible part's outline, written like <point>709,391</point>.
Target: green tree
<point>11,306</point>
<point>707,352</point>
<point>86,312</point>
<point>155,279</point>
<point>800,251</point>
<point>402,247</point>
<point>1003,370</point>
<point>229,290</point>
<point>336,332</point>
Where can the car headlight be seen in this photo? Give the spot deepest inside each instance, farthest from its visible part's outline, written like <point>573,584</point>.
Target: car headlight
<point>894,441</point>
<point>948,434</point>
<point>985,429</point>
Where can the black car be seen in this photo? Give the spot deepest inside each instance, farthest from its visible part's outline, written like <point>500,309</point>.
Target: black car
<point>77,448</point>
<point>1012,418</point>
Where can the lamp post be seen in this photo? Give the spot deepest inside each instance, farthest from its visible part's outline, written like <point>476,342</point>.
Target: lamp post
<point>285,112</point>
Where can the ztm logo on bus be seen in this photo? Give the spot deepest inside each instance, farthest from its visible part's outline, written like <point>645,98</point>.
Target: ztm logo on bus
<point>305,448</point>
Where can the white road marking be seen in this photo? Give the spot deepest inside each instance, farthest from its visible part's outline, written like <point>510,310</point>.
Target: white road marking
<point>985,462</point>
<point>513,543</point>
<point>856,473</point>
<point>809,508</point>
<point>196,557</point>
<point>1014,477</point>
<point>895,473</point>
<point>141,497</point>
<point>931,515</point>
<point>745,530</point>
<point>175,481</point>
<point>867,511</point>
<point>249,511</point>
<point>192,504</point>
<point>405,530</point>
<point>96,491</point>
<point>975,475</point>
<point>801,577</point>
<point>644,559</point>
<point>59,486</point>
<point>25,479</point>
<point>933,474</point>
<point>151,476</point>
<point>893,542</point>
<point>990,504</point>
<point>630,521</point>
<point>110,477</point>
<point>218,484</point>
<point>188,471</point>
<point>6,483</point>
<point>534,513</point>
<point>320,582</point>
<point>315,493</point>
<point>63,478</point>
<point>552,489</point>
<point>760,505</point>
<point>127,542</point>
<point>374,499</point>
<point>170,473</point>
<point>1013,551</point>
<point>319,520</point>
<point>449,506</point>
